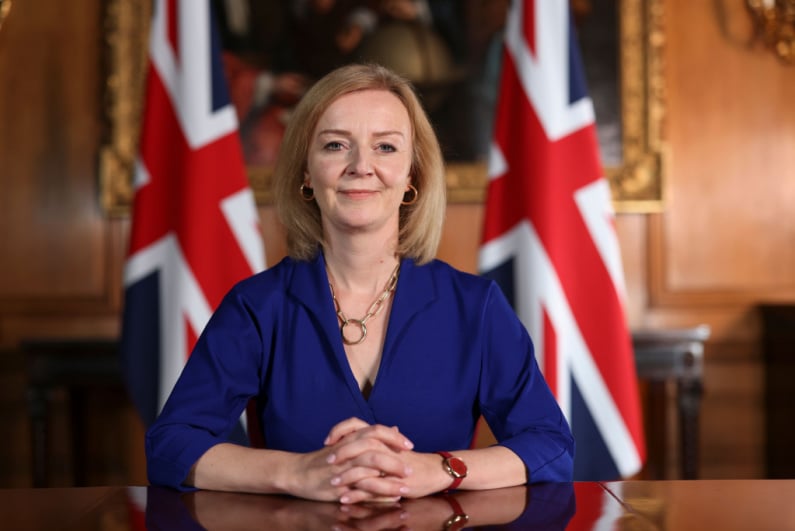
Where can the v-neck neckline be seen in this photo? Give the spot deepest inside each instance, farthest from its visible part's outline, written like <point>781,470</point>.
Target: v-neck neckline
<point>310,285</point>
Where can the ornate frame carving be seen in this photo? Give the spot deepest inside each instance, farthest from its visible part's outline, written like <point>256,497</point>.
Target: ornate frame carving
<point>126,29</point>
<point>636,183</point>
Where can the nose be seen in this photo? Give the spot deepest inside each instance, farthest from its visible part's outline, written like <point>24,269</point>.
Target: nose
<point>359,163</point>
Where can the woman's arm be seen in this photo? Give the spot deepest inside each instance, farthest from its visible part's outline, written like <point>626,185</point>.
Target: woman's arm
<point>319,475</point>
<point>488,468</point>
<point>515,399</point>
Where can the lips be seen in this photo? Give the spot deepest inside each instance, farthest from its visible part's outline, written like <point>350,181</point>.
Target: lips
<point>357,193</point>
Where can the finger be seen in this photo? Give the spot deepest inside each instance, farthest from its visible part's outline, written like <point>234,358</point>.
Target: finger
<point>354,496</point>
<point>353,477</point>
<point>369,515</point>
<point>390,501</point>
<point>372,466</point>
<point>344,428</point>
<point>346,478</point>
<point>395,520</point>
<point>367,510</point>
<point>389,436</point>
<point>379,487</point>
<point>373,453</point>
<point>370,455</point>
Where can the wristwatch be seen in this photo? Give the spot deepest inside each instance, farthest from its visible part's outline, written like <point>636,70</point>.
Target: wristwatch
<point>459,518</point>
<point>454,466</point>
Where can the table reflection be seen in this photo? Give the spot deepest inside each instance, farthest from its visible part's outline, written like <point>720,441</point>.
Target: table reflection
<point>622,505</point>
<point>548,506</point>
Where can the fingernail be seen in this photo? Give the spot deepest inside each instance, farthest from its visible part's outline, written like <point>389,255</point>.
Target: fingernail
<point>345,499</point>
<point>404,490</point>
<point>326,440</point>
<point>408,444</point>
<point>336,480</point>
<point>331,458</point>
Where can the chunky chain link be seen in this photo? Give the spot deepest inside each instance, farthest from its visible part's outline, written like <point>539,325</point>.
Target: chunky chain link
<point>374,309</point>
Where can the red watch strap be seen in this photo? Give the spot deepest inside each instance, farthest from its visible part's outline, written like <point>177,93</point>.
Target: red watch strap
<point>459,519</point>
<point>455,467</point>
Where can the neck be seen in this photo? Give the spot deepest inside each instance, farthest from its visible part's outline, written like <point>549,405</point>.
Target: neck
<point>359,266</point>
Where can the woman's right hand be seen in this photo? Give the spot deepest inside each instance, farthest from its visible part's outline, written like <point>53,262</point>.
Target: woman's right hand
<point>354,451</point>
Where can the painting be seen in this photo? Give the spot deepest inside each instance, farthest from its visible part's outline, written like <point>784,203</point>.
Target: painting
<point>450,50</point>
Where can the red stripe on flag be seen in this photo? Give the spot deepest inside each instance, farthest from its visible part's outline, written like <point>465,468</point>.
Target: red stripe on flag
<point>507,195</point>
<point>544,178</point>
<point>550,354</point>
<point>540,185</point>
<point>186,187</point>
<point>172,12</point>
<point>529,22</point>
<point>180,194</point>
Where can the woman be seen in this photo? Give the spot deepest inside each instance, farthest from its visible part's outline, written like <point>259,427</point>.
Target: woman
<point>366,356</point>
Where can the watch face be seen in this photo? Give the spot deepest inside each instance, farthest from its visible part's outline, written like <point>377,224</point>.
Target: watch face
<point>455,522</point>
<point>457,466</point>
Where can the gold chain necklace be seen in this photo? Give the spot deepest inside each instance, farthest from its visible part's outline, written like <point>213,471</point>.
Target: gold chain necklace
<point>371,312</point>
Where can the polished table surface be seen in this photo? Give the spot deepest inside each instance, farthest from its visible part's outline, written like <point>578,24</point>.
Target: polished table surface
<point>632,505</point>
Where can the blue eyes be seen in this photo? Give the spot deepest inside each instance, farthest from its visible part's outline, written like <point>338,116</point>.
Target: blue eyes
<point>338,146</point>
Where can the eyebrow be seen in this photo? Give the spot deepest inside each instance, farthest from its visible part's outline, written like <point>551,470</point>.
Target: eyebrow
<point>343,132</point>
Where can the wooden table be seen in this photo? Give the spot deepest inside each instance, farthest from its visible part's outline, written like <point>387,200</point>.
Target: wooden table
<point>636,505</point>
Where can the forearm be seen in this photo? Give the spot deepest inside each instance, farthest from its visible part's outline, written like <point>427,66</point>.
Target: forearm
<point>328,474</point>
<point>487,468</point>
<point>490,468</point>
<point>229,467</point>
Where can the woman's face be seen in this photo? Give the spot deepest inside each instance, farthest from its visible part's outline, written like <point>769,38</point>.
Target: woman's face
<point>358,162</point>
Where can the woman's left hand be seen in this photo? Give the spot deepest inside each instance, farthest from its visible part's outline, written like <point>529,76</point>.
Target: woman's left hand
<point>423,472</point>
<point>368,455</point>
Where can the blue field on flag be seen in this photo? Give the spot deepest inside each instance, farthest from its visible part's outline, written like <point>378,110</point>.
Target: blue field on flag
<point>549,238</point>
<point>195,227</point>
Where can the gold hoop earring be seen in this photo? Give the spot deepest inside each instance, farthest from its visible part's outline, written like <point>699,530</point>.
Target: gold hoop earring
<point>410,195</point>
<point>307,192</point>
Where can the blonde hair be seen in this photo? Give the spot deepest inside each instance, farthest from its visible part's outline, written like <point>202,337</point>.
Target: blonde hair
<point>420,223</point>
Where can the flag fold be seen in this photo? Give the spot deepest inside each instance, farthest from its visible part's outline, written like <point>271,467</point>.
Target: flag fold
<point>549,238</point>
<point>195,229</point>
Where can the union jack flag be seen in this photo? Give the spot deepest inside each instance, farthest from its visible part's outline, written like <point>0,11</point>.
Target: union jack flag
<point>549,238</point>
<point>195,228</point>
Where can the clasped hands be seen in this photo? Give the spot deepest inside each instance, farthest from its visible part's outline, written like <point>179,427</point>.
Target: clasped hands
<point>361,462</point>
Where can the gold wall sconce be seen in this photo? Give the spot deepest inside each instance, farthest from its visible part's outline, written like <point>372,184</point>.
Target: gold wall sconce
<point>774,26</point>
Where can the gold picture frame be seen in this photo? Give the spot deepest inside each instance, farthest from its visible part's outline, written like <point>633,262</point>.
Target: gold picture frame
<point>636,182</point>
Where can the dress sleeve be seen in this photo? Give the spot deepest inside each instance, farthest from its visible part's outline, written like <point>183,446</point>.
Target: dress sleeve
<point>515,399</point>
<point>220,377</point>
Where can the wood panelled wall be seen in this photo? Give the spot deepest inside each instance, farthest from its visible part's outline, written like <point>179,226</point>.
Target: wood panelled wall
<point>724,243</point>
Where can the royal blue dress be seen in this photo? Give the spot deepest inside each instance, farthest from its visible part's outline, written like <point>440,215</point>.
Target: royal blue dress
<point>454,349</point>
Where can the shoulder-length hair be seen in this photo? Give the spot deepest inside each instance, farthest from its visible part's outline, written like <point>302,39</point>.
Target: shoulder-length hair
<point>420,222</point>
